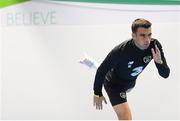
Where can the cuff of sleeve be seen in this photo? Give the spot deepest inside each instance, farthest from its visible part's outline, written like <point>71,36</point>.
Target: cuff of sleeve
<point>98,93</point>
<point>161,62</point>
<point>160,66</point>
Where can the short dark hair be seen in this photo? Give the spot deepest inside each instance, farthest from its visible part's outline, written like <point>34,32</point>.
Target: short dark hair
<point>140,22</point>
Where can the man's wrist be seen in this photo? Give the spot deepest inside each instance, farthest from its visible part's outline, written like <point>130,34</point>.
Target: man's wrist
<point>97,96</point>
<point>161,62</point>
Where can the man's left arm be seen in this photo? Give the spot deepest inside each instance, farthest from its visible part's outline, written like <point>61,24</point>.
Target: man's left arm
<point>160,61</point>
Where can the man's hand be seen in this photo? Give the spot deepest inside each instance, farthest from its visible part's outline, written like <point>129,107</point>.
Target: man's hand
<point>156,54</point>
<point>98,102</point>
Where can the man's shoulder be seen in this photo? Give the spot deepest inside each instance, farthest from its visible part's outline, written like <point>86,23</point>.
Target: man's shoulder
<point>123,44</point>
<point>156,42</point>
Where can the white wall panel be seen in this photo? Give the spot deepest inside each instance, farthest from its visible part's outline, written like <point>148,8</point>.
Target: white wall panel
<point>42,79</point>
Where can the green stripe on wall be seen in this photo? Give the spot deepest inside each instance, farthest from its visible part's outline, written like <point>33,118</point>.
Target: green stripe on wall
<point>151,2</point>
<point>5,3</point>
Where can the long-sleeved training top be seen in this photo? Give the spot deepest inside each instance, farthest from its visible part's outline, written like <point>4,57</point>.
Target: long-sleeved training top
<point>124,63</point>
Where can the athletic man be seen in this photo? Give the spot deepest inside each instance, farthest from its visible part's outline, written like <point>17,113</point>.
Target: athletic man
<point>120,69</point>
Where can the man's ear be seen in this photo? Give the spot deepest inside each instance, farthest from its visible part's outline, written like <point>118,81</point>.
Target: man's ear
<point>133,35</point>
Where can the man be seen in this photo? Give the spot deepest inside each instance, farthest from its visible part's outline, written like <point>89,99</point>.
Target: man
<point>120,69</point>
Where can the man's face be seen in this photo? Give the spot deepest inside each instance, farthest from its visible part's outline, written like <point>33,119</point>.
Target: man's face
<point>142,37</point>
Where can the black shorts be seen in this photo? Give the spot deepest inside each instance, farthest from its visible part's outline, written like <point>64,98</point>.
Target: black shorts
<point>115,97</point>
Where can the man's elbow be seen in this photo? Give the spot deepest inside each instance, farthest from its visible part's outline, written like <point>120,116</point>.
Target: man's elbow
<point>166,74</point>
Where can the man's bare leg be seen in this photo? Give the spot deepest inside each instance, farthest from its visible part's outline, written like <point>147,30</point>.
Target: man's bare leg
<point>123,111</point>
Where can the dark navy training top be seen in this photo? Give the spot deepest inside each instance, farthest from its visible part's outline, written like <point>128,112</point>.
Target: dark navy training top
<point>124,63</point>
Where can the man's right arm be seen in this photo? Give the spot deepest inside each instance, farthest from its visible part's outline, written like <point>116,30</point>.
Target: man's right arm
<point>109,62</point>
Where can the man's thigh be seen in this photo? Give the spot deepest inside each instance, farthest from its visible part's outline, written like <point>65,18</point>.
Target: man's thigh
<point>123,111</point>
<point>117,97</point>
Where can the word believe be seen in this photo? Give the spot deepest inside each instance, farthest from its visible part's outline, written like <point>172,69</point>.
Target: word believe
<point>31,18</point>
